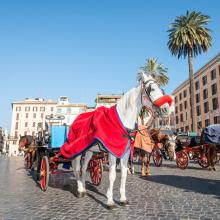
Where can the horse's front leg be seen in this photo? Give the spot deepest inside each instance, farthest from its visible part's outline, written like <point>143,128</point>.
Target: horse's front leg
<point>124,165</point>
<point>112,176</point>
<point>76,169</point>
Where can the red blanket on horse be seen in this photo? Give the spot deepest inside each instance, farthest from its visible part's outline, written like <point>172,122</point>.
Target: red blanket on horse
<point>101,125</point>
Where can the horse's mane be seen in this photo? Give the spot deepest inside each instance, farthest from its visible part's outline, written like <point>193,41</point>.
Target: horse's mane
<point>158,136</point>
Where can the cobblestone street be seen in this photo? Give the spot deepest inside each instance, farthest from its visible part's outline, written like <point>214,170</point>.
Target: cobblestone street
<point>170,193</point>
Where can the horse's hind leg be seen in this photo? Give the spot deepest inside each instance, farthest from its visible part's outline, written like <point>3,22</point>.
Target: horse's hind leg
<point>124,165</point>
<point>76,170</point>
<point>88,156</point>
<point>112,176</point>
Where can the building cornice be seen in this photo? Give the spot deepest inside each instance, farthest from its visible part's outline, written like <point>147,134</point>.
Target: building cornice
<point>72,105</point>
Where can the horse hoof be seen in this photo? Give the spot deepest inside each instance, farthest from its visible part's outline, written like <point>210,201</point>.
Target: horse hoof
<point>81,194</point>
<point>112,206</point>
<point>124,203</point>
<point>213,168</point>
<point>210,168</point>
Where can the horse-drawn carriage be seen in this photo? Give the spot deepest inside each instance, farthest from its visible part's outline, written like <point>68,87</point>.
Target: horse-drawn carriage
<point>110,128</point>
<point>48,160</point>
<point>190,148</point>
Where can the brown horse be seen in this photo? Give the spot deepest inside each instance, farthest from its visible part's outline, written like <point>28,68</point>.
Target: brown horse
<point>157,139</point>
<point>28,145</point>
<point>210,148</point>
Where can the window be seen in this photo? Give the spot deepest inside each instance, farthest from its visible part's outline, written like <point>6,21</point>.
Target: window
<point>34,115</point>
<point>27,109</point>
<point>185,104</point>
<point>199,125</point>
<point>205,93</point>
<point>214,89</point>
<point>18,109</point>
<point>214,103</point>
<point>177,130</point>
<point>26,115</point>
<point>180,96</point>
<point>34,109</point>
<point>34,124</point>
<point>206,107</point>
<point>184,93</point>
<point>16,126</point>
<point>197,85</point>
<point>17,116</point>
<point>187,128</point>
<point>198,111</point>
<point>42,115</point>
<point>186,116</point>
<point>181,107</point>
<point>42,109</point>
<point>26,124</point>
<point>177,120</point>
<point>217,120</point>
<point>182,129</point>
<point>51,108</point>
<point>25,133</point>
<point>16,134</point>
<point>68,111</point>
<point>207,122</point>
<point>176,109</point>
<point>59,110</point>
<point>181,117</point>
<point>213,74</point>
<point>204,80</point>
<point>197,98</point>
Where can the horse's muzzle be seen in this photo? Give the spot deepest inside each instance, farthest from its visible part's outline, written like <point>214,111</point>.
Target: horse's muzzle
<point>163,100</point>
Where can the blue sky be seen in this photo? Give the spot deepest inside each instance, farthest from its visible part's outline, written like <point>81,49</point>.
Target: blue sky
<point>79,48</point>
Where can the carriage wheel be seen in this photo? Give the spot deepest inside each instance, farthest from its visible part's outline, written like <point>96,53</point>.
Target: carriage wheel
<point>96,169</point>
<point>44,173</point>
<point>182,159</point>
<point>203,160</point>
<point>157,157</point>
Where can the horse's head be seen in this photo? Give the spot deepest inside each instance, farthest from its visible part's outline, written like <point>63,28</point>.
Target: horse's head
<point>22,143</point>
<point>153,93</point>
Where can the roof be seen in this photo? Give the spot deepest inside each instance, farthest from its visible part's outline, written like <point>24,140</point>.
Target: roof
<point>35,101</point>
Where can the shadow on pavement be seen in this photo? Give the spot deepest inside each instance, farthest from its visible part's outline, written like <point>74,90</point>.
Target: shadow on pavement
<point>189,183</point>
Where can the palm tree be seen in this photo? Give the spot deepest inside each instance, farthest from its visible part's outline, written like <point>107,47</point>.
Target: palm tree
<point>156,70</point>
<point>188,37</point>
<point>159,73</point>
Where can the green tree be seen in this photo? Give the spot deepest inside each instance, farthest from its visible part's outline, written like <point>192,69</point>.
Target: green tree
<point>188,37</point>
<point>159,73</point>
<point>156,70</point>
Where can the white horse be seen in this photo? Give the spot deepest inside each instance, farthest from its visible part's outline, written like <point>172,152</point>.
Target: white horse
<point>128,108</point>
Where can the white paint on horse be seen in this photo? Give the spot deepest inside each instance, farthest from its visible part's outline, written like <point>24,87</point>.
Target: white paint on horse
<point>128,108</point>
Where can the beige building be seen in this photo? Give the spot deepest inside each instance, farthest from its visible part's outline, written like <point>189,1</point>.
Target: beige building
<point>69,110</point>
<point>28,116</point>
<point>207,98</point>
<point>106,100</point>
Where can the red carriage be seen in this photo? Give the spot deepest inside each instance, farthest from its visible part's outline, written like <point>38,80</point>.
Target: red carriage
<point>50,160</point>
<point>189,148</point>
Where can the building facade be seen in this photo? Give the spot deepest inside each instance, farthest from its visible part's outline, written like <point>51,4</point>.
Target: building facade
<point>69,110</point>
<point>1,139</point>
<point>207,98</point>
<point>29,116</point>
<point>106,100</point>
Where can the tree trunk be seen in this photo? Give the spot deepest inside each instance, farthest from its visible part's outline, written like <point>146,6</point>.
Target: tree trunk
<point>192,92</point>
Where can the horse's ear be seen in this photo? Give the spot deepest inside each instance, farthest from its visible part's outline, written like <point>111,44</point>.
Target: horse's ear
<point>140,76</point>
